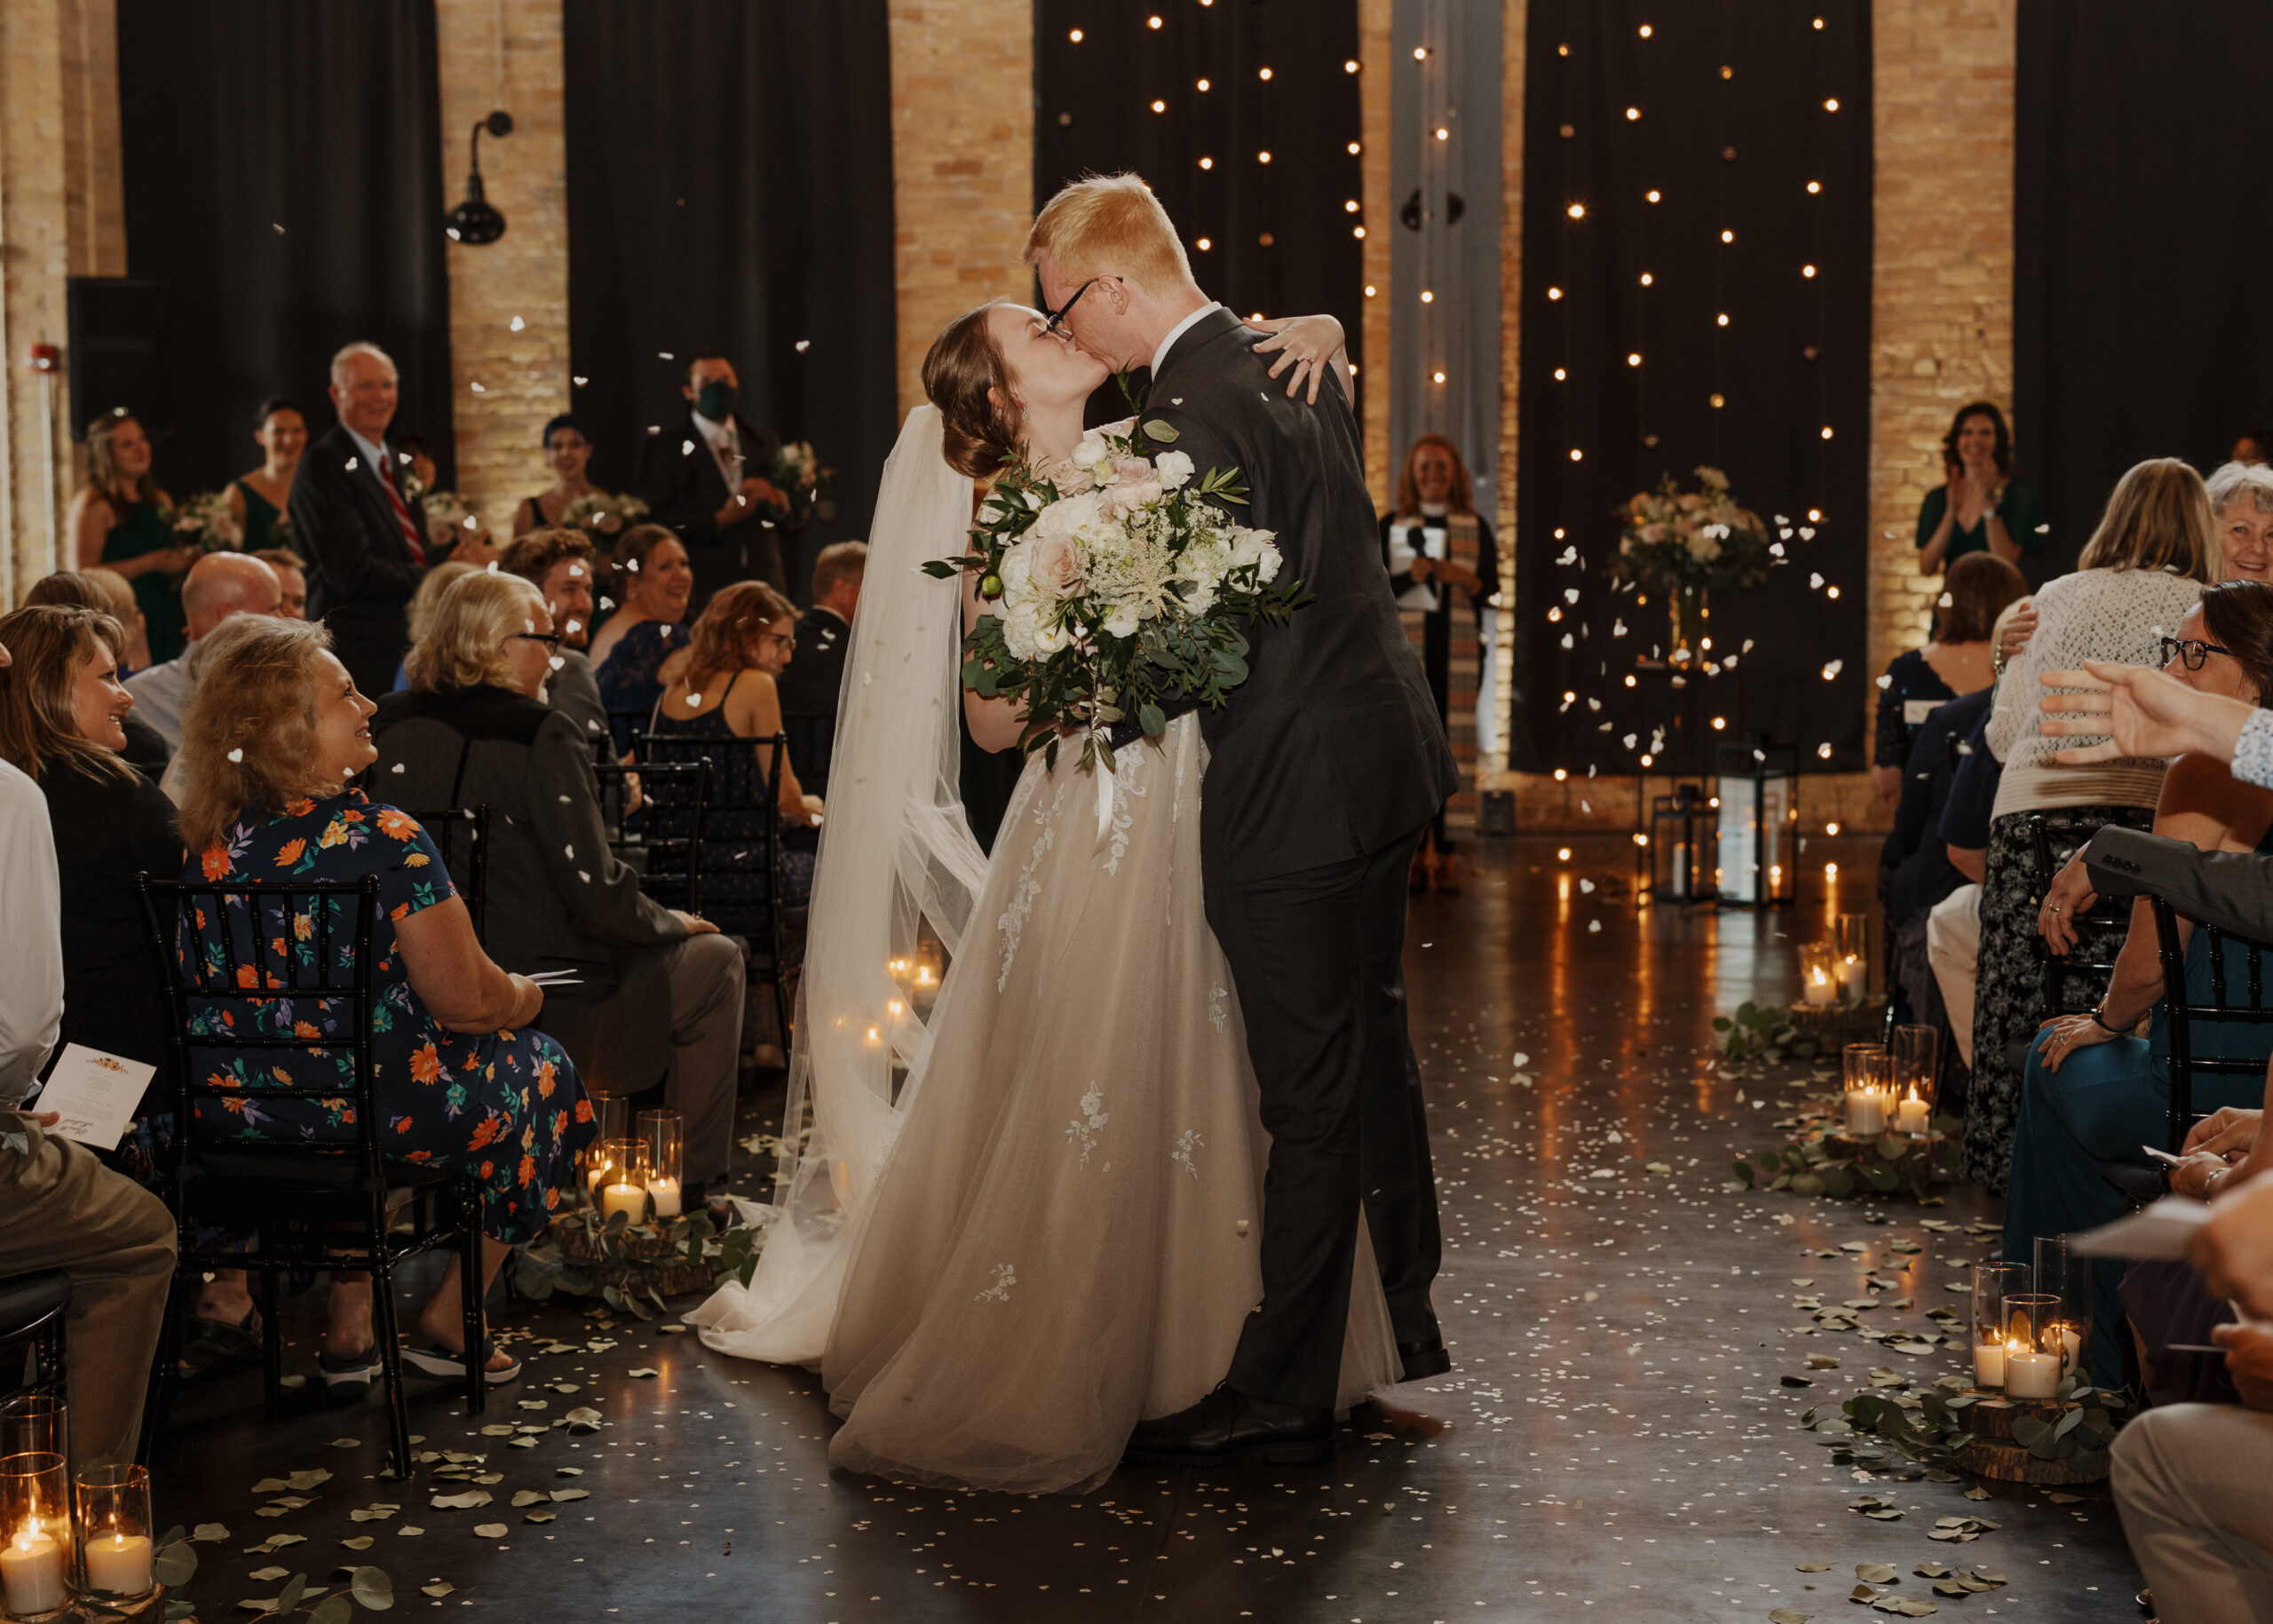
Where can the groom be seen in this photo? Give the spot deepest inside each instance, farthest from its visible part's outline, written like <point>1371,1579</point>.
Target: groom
<point>1320,776</point>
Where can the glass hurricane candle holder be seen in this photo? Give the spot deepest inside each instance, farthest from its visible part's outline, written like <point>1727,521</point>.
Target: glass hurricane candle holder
<point>35,1424</point>
<point>1915,1049</point>
<point>2035,1346</point>
<point>1852,941</point>
<point>1869,1072</point>
<point>1992,1283</point>
<point>117,1546</point>
<point>2061,1274</point>
<point>664,1134</point>
<point>614,1119</point>
<point>625,1188</point>
<point>1818,975</point>
<point>36,1554</point>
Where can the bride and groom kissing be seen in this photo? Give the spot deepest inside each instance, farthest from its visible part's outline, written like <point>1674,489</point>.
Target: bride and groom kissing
<point>1152,1178</point>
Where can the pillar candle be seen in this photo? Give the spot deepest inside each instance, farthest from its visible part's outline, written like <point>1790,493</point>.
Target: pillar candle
<point>2071,1347</point>
<point>630,1199</point>
<point>1819,991</point>
<point>1865,1113</point>
<point>2028,1374</point>
<point>1988,1364</point>
<point>1854,977</point>
<point>31,1571</point>
<point>119,1564</point>
<point>665,1193</point>
<point>1913,1115</point>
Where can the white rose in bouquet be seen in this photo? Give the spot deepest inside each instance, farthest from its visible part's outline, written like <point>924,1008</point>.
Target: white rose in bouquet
<point>1255,547</point>
<point>1122,622</point>
<point>1094,458</point>
<point>1173,469</point>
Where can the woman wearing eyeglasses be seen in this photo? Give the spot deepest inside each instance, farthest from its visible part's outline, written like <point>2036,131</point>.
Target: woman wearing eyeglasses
<point>655,993</point>
<point>2095,1091</point>
<point>2143,570</point>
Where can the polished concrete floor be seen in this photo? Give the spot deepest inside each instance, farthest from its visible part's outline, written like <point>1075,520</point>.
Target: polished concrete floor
<point>1614,1443</point>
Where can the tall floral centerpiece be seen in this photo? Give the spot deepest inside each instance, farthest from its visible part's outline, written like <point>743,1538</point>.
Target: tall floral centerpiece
<point>1685,544</point>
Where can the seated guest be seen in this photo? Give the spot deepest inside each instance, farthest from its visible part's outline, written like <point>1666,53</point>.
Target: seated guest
<point>2253,447</point>
<point>106,593</point>
<point>292,577</point>
<point>1979,507</point>
<point>218,585</point>
<point>651,581</point>
<point>66,1209</point>
<point>2093,1091</point>
<point>273,740</point>
<point>2241,496</point>
<point>742,643</point>
<point>658,996</point>
<point>1957,660</point>
<point>120,518</point>
<point>1953,924</point>
<point>61,704</point>
<point>420,616</point>
<point>258,500</point>
<point>1916,866</point>
<point>809,687</point>
<point>559,563</point>
<point>567,452</point>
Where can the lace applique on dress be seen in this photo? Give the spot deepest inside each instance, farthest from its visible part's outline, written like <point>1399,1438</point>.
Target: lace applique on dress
<point>1013,922</point>
<point>1190,1142</point>
<point>1085,1134</point>
<point>1217,1012</point>
<point>1005,1277</point>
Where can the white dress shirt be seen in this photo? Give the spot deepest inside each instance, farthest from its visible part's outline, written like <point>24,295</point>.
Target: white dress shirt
<point>725,448</point>
<point>1179,331</point>
<point>31,936</point>
<point>163,691</point>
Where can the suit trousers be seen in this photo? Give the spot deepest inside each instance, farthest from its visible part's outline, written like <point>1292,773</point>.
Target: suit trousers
<point>61,1209</point>
<point>2194,1486</point>
<point>706,1049</point>
<point>1317,956</point>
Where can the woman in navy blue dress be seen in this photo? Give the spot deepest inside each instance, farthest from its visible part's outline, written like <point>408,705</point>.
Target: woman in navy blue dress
<point>272,739</point>
<point>649,585</point>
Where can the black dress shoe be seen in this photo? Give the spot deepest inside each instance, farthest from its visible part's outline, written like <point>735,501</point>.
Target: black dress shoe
<point>1423,1358</point>
<point>1230,1426</point>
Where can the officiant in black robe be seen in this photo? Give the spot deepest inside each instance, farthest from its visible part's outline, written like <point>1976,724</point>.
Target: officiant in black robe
<point>703,473</point>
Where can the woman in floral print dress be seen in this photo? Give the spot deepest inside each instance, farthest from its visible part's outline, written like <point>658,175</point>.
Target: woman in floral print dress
<point>462,1079</point>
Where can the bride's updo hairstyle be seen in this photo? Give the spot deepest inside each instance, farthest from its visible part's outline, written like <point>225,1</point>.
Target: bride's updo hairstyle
<point>964,366</point>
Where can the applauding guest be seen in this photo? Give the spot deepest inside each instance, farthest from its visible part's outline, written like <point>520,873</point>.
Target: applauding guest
<point>568,453</point>
<point>118,519</point>
<point>656,991</point>
<point>258,501</point>
<point>1979,507</point>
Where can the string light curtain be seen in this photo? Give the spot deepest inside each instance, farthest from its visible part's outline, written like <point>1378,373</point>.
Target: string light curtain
<point>1696,262</point>
<point>2140,322</point>
<point>1241,115</point>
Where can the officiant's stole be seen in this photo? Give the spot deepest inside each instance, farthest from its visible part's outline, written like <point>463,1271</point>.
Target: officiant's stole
<point>1464,666</point>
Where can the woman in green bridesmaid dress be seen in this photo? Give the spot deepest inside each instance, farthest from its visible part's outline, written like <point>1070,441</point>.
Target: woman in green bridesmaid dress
<point>122,521</point>
<point>257,499</point>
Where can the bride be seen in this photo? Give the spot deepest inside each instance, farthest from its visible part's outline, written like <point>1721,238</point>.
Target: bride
<point>1027,1222</point>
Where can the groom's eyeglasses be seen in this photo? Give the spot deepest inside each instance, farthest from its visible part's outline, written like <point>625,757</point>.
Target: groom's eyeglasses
<point>1057,317</point>
<point>2192,650</point>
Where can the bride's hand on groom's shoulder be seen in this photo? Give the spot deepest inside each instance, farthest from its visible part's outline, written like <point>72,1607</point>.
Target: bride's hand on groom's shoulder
<point>1307,343</point>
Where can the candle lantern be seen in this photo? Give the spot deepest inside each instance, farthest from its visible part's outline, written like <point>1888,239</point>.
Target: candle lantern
<point>1852,941</point>
<point>35,1535</point>
<point>625,1188</point>
<point>614,1119</point>
<point>115,1543</point>
<point>2063,1275</point>
<point>2035,1345</point>
<point>1870,1093</point>
<point>1818,975</point>
<point>1915,1050</point>
<point>35,1424</point>
<point>664,1134</point>
<point>1992,1283</point>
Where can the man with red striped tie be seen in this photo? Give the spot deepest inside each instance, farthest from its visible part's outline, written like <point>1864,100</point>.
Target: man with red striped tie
<point>365,543</point>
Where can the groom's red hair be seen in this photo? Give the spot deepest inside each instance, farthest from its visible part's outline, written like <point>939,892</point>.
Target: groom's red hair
<point>1110,225</point>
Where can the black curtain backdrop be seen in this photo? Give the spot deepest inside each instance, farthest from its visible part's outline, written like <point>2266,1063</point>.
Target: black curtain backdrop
<point>1732,127</point>
<point>730,193</point>
<point>1275,238</point>
<point>283,177</point>
<point>2140,322</point>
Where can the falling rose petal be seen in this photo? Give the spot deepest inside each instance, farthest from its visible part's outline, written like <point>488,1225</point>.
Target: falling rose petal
<point>396,769</point>
<point>516,324</point>
<point>557,661</point>
<point>236,755</point>
<point>804,345</point>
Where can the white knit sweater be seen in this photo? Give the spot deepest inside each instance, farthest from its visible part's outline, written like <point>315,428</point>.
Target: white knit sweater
<point>2115,616</point>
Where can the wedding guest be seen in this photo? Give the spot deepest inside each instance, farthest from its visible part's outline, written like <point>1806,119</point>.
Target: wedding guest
<point>809,687</point>
<point>741,643</point>
<point>420,616</point>
<point>568,453</point>
<point>121,519</point>
<point>218,585</point>
<point>2241,495</point>
<point>1915,863</point>
<point>2143,569</point>
<point>659,995</point>
<point>2093,1091</point>
<point>702,475</point>
<point>258,501</point>
<point>105,592</point>
<point>274,739</point>
<point>291,579</point>
<point>2253,447</point>
<point>559,563</point>
<point>1979,507</point>
<point>1957,659</point>
<point>1443,566</point>
<point>61,705</point>
<point>651,581</point>
<point>1953,924</point>
<point>31,950</point>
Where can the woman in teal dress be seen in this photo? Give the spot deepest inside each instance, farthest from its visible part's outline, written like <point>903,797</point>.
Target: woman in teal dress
<point>1979,507</point>
<point>463,1079</point>
<point>122,521</point>
<point>257,499</point>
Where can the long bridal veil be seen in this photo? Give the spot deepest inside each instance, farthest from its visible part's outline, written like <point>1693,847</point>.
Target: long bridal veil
<point>898,868</point>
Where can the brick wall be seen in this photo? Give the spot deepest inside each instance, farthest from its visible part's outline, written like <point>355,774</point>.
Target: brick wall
<point>962,163</point>
<point>1373,19</point>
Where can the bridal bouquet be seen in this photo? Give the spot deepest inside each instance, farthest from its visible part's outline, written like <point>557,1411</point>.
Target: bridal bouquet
<point>796,472</point>
<point>1676,540</point>
<point>205,519</point>
<point>603,517</point>
<point>1114,589</point>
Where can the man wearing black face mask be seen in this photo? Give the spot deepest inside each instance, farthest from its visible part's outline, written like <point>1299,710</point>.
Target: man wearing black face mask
<point>700,474</point>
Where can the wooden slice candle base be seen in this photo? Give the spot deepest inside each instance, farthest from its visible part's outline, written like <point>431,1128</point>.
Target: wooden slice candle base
<point>1993,1454</point>
<point>641,1260</point>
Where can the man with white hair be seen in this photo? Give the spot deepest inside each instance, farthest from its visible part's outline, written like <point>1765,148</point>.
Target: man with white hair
<point>351,520</point>
<point>218,585</point>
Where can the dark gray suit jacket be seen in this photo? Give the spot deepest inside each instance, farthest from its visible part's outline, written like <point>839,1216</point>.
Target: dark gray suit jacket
<point>360,571</point>
<point>1332,748</point>
<point>2229,890</point>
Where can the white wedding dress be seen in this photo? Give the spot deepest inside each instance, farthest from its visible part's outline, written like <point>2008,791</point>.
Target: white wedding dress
<point>1050,1228</point>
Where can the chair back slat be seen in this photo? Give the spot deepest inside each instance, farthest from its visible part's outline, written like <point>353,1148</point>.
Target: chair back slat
<point>744,794</point>
<point>2182,1014</point>
<point>663,841</point>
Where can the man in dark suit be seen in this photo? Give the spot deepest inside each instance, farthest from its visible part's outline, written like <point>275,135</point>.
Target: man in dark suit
<point>1321,773</point>
<point>808,688</point>
<point>366,545</point>
<point>703,475</point>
